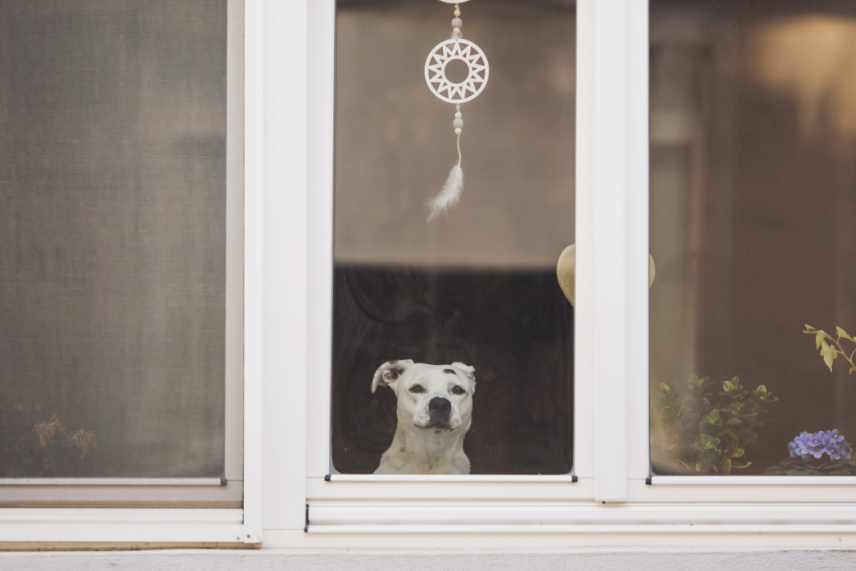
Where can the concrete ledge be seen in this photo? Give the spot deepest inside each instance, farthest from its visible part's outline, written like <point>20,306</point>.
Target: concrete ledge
<point>336,560</point>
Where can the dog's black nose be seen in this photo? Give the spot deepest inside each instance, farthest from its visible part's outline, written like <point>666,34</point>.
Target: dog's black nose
<point>439,407</point>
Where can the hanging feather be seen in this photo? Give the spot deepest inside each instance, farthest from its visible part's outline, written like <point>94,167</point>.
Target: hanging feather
<point>449,195</point>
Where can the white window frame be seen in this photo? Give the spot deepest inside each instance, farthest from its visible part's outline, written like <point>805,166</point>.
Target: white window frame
<point>176,525</point>
<point>289,80</point>
<point>322,487</point>
<point>615,500</point>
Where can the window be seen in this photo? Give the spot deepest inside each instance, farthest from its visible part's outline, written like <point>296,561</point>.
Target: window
<point>124,271</point>
<point>703,112</point>
<point>752,209</point>
<point>704,185</point>
<point>436,270</point>
<point>475,285</point>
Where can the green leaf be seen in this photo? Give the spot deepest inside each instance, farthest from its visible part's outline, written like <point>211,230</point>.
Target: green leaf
<point>761,391</point>
<point>819,339</point>
<point>738,453</point>
<point>725,465</point>
<point>829,354</point>
<point>841,332</point>
<point>708,442</point>
<point>713,418</point>
<point>697,382</point>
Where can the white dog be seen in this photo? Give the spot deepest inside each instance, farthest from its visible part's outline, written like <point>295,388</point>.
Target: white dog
<point>434,410</point>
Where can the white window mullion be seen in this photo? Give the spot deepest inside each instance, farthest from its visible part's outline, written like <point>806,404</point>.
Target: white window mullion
<point>637,238</point>
<point>254,251</point>
<point>612,230</point>
<point>320,105</point>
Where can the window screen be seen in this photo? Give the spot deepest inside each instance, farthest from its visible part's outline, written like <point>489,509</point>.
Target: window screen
<point>112,238</point>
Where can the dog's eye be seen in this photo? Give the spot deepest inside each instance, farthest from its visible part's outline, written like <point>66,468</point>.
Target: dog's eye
<point>417,389</point>
<point>458,390</point>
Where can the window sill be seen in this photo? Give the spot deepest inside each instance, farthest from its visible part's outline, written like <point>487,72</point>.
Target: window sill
<point>127,526</point>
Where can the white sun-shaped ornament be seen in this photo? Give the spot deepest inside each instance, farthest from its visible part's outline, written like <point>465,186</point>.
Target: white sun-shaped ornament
<point>437,65</point>
<point>455,51</point>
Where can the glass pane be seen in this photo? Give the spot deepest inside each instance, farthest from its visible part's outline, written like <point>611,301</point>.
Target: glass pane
<point>112,238</point>
<point>753,204</point>
<point>475,284</point>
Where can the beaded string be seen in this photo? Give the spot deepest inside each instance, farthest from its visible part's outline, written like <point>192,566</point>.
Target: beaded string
<point>458,122</point>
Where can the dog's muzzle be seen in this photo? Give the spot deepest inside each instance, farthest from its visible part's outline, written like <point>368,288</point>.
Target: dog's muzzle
<point>439,410</point>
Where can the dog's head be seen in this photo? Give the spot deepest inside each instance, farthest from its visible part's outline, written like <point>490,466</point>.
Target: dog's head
<point>438,397</point>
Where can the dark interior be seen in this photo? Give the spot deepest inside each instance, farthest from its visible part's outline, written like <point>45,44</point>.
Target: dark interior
<point>515,328</point>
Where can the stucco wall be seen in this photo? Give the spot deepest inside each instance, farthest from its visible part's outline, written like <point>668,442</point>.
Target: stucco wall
<point>269,560</point>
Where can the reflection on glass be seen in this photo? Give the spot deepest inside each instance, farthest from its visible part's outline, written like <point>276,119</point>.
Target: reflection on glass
<point>471,297</point>
<point>112,238</point>
<point>753,204</point>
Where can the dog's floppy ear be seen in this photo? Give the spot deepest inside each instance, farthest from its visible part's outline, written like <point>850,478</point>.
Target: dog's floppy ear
<point>467,370</point>
<point>388,373</point>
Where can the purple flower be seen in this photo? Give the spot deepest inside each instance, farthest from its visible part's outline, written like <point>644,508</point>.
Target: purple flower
<point>813,445</point>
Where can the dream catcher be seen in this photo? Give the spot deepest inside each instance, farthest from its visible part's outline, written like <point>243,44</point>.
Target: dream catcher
<point>455,49</point>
